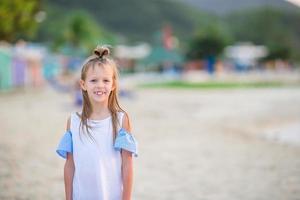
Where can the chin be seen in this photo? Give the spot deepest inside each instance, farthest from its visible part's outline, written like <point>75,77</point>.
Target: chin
<point>99,100</point>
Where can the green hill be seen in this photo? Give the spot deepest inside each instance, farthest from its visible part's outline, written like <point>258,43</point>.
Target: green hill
<point>222,7</point>
<point>134,19</point>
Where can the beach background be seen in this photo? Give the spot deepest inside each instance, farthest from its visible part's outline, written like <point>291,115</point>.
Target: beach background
<point>212,88</point>
<point>193,144</point>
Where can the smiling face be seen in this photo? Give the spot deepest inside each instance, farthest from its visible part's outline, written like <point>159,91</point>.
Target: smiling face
<point>98,83</point>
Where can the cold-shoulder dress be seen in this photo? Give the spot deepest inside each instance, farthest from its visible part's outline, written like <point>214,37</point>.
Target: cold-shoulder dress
<point>97,159</point>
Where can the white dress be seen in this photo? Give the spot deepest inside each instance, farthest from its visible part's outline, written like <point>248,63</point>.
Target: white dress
<point>97,160</point>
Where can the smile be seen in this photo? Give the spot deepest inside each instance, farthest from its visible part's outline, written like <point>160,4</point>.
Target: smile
<point>99,93</point>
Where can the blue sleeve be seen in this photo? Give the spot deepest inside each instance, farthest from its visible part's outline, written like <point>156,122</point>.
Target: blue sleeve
<point>65,145</point>
<point>126,141</point>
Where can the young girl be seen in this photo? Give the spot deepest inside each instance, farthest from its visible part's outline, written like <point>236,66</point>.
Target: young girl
<point>98,145</point>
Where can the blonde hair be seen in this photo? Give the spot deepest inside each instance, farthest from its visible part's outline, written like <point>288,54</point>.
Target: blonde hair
<point>100,57</point>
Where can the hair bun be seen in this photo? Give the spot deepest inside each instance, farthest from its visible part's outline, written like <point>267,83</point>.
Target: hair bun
<point>101,51</point>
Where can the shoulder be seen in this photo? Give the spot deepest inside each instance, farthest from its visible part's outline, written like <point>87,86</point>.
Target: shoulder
<point>68,123</point>
<point>71,119</point>
<point>126,122</point>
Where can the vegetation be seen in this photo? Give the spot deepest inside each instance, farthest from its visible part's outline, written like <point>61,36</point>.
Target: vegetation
<point>201,34</point>
<point>18,19</point>
<point>212,85</point>
<point>134,19</point>
<point>208,41</point>
<point>277,29</point>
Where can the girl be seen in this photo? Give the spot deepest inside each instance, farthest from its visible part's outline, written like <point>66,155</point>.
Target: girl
<point>97,145</point>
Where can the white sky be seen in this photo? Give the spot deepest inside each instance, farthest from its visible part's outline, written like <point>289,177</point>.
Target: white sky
<point>296,2</point>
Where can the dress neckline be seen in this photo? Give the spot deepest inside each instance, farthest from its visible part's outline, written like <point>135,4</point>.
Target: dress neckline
<point>99,120</point>
<point>95,120</point>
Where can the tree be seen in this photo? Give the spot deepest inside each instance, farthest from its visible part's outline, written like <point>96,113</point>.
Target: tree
<point>17,18</point>
<point>278,51</point>
<point>209,41</point>
<point>207,44</point>
<point>276,29</point>
<point>78,30</point>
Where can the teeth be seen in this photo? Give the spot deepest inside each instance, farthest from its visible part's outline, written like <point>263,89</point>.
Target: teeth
<point>99,93</point>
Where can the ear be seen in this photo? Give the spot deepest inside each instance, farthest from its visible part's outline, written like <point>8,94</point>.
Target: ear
<point>82,85</point>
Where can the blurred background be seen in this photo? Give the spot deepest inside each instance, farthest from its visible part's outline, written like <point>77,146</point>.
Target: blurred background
<point>212,88</point>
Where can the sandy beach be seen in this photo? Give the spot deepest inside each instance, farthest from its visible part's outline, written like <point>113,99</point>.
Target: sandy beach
<point>193,144</point>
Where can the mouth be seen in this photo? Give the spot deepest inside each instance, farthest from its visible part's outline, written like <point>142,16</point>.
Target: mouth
<point>99,93</point>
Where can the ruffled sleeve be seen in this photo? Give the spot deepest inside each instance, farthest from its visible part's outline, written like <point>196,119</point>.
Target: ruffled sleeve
<point>65,145</point>
<point>126,141</point>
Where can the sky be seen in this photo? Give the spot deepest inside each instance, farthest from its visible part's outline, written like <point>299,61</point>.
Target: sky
<point>296,2</point>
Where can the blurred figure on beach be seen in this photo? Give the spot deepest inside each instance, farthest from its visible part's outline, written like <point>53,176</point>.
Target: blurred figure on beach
<point>34,59</point>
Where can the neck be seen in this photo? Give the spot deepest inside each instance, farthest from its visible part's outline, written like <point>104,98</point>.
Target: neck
<point>99,110</point>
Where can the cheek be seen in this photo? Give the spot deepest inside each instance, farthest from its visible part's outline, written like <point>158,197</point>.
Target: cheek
<point>87,87</point>
<point>110,86</point>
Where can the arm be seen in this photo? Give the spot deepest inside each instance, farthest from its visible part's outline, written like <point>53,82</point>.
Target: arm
<point>68,176</point>
<point>127,165</point>
<point>69,169</point>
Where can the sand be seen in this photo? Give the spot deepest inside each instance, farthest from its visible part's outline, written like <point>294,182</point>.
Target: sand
<point>193,144</point>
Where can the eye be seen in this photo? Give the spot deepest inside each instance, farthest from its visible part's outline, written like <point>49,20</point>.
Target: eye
<point>93,80</point>
<point>106,80</point>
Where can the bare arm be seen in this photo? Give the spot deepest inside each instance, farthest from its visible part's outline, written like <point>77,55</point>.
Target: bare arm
<point>127,174</point>
<point>68,176</point>
<point>69,169</point>
<point>127,166</point>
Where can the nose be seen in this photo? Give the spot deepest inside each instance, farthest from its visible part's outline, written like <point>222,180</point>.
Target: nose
<point>100,84</point>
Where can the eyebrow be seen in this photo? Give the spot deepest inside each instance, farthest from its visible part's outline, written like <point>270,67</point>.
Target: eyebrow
<point>103,77</point>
